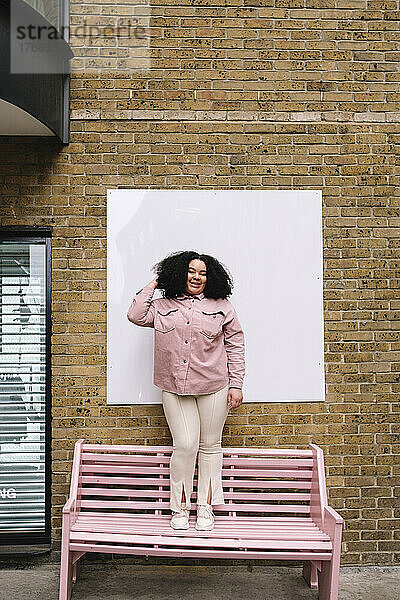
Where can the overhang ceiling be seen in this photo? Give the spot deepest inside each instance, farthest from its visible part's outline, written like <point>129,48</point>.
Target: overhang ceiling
<point>16,121</point>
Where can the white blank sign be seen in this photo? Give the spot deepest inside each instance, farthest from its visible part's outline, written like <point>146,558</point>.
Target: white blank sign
<point>271,243</point>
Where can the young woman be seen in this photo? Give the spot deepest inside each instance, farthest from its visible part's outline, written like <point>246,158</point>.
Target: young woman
<point>199,363</point>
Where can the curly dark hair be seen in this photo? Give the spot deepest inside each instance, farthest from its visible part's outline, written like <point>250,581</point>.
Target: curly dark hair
<point>172,275</point>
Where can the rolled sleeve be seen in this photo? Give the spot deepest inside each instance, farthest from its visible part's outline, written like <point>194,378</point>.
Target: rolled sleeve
<point>235,349</point>
<point>141,310</point>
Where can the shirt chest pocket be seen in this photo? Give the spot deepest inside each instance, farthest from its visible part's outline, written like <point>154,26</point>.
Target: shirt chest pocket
<point>211,323</point>
<point>165,319</point>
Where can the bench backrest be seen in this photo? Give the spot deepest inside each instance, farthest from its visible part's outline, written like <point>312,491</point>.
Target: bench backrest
<point>257,482</point>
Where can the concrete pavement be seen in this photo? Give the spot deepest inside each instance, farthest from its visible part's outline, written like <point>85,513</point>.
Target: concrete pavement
<point>113,581</point>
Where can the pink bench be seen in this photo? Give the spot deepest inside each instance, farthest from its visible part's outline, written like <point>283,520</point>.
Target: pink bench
<point>276,508</point>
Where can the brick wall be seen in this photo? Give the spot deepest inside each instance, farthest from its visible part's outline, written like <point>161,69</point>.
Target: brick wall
<point>273,95</point>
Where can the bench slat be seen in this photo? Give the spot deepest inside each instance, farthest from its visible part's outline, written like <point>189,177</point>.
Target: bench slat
<point>300,508</point>
<point>223,534</point>
<point>250,528</point>
<point>277,521</point>
<point>192,553</point>
<point>165,494</point>
<point>241,462</point>
<point>238,519</point>
<point>167,450</point>
<point>223,529</point>
<point>186,541</point>
<point>146,481</point>
<point>237,472</point>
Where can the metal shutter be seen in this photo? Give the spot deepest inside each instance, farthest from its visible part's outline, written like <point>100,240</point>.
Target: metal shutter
<point>23,384</point>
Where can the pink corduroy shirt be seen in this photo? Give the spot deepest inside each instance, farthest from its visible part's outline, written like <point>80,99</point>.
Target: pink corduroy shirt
<point>198,341</point>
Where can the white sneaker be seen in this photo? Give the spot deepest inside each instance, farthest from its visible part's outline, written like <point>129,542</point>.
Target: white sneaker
<point>180,519</point>
<point>205,517</point>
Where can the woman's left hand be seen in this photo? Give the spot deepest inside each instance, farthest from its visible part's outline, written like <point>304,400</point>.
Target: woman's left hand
<point>235,398</point>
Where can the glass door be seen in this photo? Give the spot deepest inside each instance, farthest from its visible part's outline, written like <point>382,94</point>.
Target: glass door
<point>25,330</point>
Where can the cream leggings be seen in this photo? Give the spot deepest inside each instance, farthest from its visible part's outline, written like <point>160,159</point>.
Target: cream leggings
<point>196,424</point>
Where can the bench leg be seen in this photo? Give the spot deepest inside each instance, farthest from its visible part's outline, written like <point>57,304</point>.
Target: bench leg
<point>328,576</point>
<point>66,562</point>
<point>310,574</point>
<point>75,570</point>
<point>65,576</point>
<point>76,564</point>
<point>328,582</point>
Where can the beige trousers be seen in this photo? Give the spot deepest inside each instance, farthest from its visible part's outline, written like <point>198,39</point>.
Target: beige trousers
<point>196,424</point>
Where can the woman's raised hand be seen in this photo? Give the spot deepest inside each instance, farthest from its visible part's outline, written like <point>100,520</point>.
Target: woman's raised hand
<point>154,282</point>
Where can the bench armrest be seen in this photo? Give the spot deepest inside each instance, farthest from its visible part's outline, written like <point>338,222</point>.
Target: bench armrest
<point>332,523</point>
<point>332,514</point>
<point>72,504</point>
<point>69,506</point>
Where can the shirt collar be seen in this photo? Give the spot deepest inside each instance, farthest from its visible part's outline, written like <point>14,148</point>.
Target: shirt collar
<point>185,295</point>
